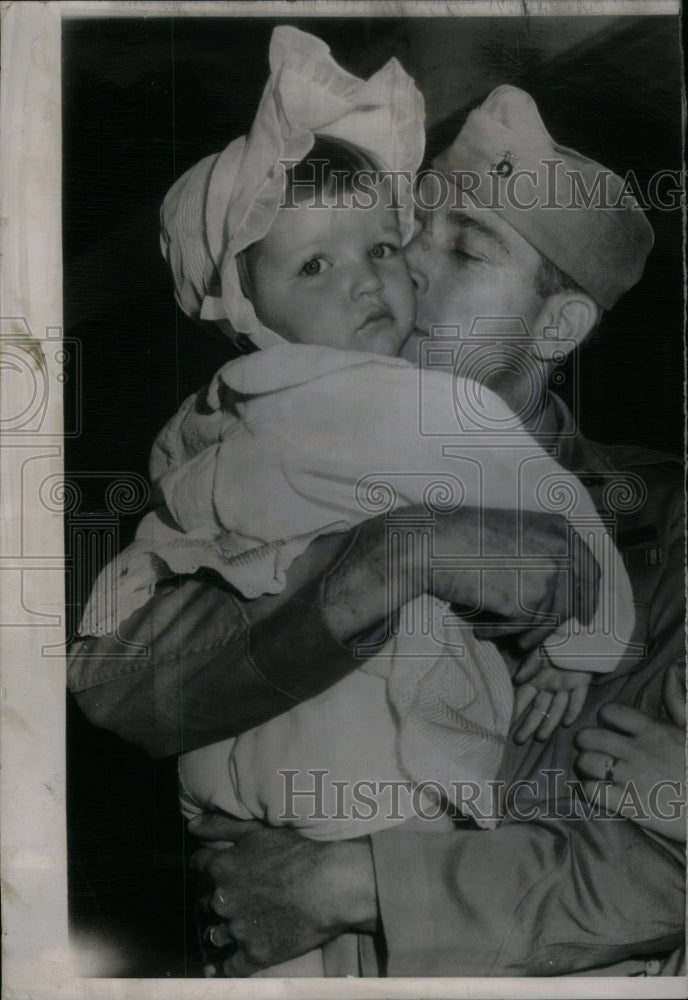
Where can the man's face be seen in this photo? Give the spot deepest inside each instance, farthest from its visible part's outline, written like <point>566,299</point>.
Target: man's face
<point>470,265</point>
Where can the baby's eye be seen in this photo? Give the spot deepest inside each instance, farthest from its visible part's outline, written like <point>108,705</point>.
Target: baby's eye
<point>382,250</point>
<point>316,265</point>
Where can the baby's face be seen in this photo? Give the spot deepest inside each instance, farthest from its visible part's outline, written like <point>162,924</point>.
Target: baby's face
<point>336,276</point>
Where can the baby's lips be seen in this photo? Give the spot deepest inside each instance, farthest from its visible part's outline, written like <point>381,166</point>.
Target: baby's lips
<point>375,315</point>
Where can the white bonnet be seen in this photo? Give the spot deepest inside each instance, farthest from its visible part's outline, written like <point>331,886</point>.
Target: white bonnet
<point>229,200</point>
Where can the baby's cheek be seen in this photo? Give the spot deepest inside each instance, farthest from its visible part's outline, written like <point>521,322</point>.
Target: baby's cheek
<point>306,317</point>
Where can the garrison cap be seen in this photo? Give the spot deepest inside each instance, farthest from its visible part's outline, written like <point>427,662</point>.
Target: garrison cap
<point>575,212</point>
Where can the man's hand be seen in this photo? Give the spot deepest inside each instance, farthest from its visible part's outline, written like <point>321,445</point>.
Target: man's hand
<point>280,895</point>
<point>642,755</point>
<point>552,695</point>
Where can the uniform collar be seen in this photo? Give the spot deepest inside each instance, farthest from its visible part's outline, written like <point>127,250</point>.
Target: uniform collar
<point>575,452</point>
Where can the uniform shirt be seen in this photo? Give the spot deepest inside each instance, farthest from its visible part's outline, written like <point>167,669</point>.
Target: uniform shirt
<point>545,896</point>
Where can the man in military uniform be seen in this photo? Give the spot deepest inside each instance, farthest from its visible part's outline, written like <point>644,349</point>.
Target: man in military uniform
<point>553,890</point>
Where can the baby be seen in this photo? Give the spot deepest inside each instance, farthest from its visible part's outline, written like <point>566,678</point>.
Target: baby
<point>304,436</point>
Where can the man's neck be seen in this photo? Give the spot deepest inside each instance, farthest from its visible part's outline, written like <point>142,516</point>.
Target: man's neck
<point>544,422</point>
<point>528,398</point>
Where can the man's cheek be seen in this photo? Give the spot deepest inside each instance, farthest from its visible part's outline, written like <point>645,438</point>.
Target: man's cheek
<point>411,305</point>
<point>438,309</point>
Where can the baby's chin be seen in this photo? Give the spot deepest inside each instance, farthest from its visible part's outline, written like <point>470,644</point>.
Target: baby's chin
<point>385,340</point>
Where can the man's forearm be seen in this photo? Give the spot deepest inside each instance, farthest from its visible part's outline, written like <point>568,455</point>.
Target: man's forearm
<point>197,664</point>
<point>544,897</point>
<point>365,587</point>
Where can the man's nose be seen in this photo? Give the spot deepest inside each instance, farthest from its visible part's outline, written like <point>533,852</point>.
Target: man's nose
<point>414,254</point>
<point>366,280</point>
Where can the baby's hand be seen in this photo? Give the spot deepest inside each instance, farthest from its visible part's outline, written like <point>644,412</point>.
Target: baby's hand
<point>552,696</point>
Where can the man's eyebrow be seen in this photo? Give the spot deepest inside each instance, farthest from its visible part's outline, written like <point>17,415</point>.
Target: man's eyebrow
<point>465,221</point>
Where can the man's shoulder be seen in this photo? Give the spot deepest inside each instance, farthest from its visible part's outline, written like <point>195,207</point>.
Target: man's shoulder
<point>642,489</point>
<point>655,478</point>
<point>647,504</point>
<point>595,462</point>
<point>633,477</point>
<point>626,456</point>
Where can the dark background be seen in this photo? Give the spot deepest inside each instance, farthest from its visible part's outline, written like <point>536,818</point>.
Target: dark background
<point>143,100</point>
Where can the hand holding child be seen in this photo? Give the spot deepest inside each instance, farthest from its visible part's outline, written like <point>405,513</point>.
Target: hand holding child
<point>643,760</point>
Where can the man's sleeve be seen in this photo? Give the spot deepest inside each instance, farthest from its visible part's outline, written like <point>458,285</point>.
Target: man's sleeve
<point>197,664</point>
<point>528,899</point>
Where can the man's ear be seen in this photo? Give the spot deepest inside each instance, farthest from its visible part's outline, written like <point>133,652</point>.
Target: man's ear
<point>564,321</point>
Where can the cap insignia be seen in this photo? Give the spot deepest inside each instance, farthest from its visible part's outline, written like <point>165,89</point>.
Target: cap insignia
<point>504,165</point>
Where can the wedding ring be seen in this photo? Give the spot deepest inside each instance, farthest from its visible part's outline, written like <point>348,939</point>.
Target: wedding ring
<point>210,936</point>
<point>227,942</point>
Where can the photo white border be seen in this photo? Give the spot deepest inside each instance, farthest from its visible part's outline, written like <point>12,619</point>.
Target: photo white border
<point>38,962</point>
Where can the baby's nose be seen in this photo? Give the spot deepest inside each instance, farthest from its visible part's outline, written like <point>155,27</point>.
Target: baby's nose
<point>366,280</point>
